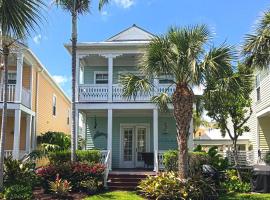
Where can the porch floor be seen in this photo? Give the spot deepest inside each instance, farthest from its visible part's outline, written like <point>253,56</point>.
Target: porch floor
<point>132,171</point>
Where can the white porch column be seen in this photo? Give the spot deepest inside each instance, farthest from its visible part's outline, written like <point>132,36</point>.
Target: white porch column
<point>110,78</point>
<point>155,134</point>
<point>33,136</point>
<point>17,132</point>
<point>109,138</point>
<point>28,133</point>
<point>18,90</point>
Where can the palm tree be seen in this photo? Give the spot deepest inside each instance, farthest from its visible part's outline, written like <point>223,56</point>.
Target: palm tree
<point>180,53</point>
<point>17,19</point>
<point>256,47</point>
<point>75,7</point>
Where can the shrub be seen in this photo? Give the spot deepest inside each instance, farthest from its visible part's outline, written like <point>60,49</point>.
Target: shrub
<point>267,158</point>
<point>75,173</point>
<point>196,160</point>
<point>18,192</point>
<point>89,186</point>
<point>216,160</point>
<point>233,184</point>
<point>60,187</point>
<point>90,156</point>
<point>168,186</point>
<point>54,141</point>
<point>16,172</point>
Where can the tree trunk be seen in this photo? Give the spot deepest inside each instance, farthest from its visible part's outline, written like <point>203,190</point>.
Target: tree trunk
<point>183,99</point>
<point>4,116</point>
<point>74,50</point>
<point>235,157</point>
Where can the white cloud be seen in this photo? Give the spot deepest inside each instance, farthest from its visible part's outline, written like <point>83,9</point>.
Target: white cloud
<point>124,3</point>
<point>61,80</point>
<point>37,39</point>
<point>104,13</point>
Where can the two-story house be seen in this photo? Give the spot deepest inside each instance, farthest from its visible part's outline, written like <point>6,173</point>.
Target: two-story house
<point>36,104</point>
<point>126,128</point>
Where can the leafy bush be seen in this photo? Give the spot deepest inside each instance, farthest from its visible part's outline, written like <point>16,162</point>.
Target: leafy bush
<point>54,141</point>
<point>60,187</point>
<point>267,158</point>
<point>196,160</point>
<point>216,160</point>
<point>168,186</point>
<point>233,184</point>
<point>89,186</point>
<point>75,173</point>
<point>18,192</point>
<point>90,156</point>
<point>16,172</point>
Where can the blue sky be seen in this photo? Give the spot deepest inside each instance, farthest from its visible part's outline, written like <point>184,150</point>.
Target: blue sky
<point>229,20</point>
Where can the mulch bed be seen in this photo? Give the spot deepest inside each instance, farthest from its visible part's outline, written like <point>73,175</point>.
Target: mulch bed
<point>40,195</point>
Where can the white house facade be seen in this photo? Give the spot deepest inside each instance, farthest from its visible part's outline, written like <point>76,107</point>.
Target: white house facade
<point>127,129</point>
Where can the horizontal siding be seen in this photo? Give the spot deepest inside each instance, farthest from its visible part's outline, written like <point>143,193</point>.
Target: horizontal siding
<point>264,102</point>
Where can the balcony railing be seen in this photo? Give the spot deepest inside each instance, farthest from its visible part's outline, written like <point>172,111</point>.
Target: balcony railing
<point>99,93</point>
<point>11,96</point>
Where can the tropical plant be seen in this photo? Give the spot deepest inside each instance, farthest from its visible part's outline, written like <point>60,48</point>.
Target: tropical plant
<point>217,160</point>
<point>256,46</point>
<point>180,53</point>
<point>75,8</point>
<point>18,192</point>
<point>17,19</point>
<point>230,103</point>
<point>60,187</point>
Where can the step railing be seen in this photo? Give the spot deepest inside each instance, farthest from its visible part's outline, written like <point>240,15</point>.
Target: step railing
<point>106,160</point>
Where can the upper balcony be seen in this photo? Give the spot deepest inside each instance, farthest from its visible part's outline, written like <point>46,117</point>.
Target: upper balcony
<point>99,79</point>
<point>19,80</point>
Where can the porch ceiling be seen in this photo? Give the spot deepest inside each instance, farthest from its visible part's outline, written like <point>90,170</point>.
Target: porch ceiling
<point>124,113</point>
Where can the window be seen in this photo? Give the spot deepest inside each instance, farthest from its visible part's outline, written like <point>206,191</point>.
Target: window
<point>68,117</point>
<point>12,77</point>
<point>258,88</point>
<point>54,105</point>
<point>101,77</point>
<point>166,79</point>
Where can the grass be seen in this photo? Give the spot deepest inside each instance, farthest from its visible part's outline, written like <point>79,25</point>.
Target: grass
<point>115,195</point>
<point>252,196</point>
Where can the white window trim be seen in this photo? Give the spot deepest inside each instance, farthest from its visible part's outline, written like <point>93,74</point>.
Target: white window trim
<point>54,96</point>
<point>100,72</point>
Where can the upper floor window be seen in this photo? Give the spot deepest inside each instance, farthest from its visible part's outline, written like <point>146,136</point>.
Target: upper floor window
<point>258,88</point>
<point>12,77</point>
<point>54,105</point>
<point>101,78</point>
<point>166,79</point>
<point>68,117</point>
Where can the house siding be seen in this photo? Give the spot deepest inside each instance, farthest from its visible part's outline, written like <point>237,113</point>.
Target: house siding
<point>166,134</point>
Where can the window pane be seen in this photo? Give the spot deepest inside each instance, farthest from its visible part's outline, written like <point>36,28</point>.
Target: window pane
<point>258,93</point>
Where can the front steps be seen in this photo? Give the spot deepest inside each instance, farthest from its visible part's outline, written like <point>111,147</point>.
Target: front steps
<point>126,180</point>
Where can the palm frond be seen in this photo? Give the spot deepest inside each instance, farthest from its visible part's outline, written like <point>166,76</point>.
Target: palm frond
<point>102,3</point>
<point>162,101</point>
<point>134,85</point>
<point>18,18</point>
<point>81,6</point>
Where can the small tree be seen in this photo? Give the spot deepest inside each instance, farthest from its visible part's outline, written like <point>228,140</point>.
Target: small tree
<point>229,103</point>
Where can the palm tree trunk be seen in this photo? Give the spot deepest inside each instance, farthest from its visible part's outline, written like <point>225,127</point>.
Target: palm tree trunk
<point>183,99</point>
<point>4,116</point>
<point>74,50</point>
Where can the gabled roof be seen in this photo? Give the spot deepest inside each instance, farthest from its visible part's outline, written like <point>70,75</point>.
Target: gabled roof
<point>133,33</point>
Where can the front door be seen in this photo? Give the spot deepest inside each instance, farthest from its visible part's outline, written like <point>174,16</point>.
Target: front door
<point>134,141</point>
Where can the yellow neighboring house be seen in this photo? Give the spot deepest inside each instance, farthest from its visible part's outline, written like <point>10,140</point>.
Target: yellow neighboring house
<point>36,103</point>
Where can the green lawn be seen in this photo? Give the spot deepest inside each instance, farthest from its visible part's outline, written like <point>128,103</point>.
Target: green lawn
<point>246,197</point>
<point>117,195</point>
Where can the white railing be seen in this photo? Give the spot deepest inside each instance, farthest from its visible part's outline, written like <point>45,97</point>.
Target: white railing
<point>93,93</point>
<point>106,159</point>
<point>118,95</point>
<point>11,92</point>
<point>166,89</point>
<point>26,97</point>
<point>9,153</point>
<point>245,158</point>
<point>160,158</point>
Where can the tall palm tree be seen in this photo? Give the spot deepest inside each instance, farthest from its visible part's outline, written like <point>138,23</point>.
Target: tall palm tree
<point>17,19</point>
<point>75,8</point>
<point>256,47</point>
<point>180,53</point>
